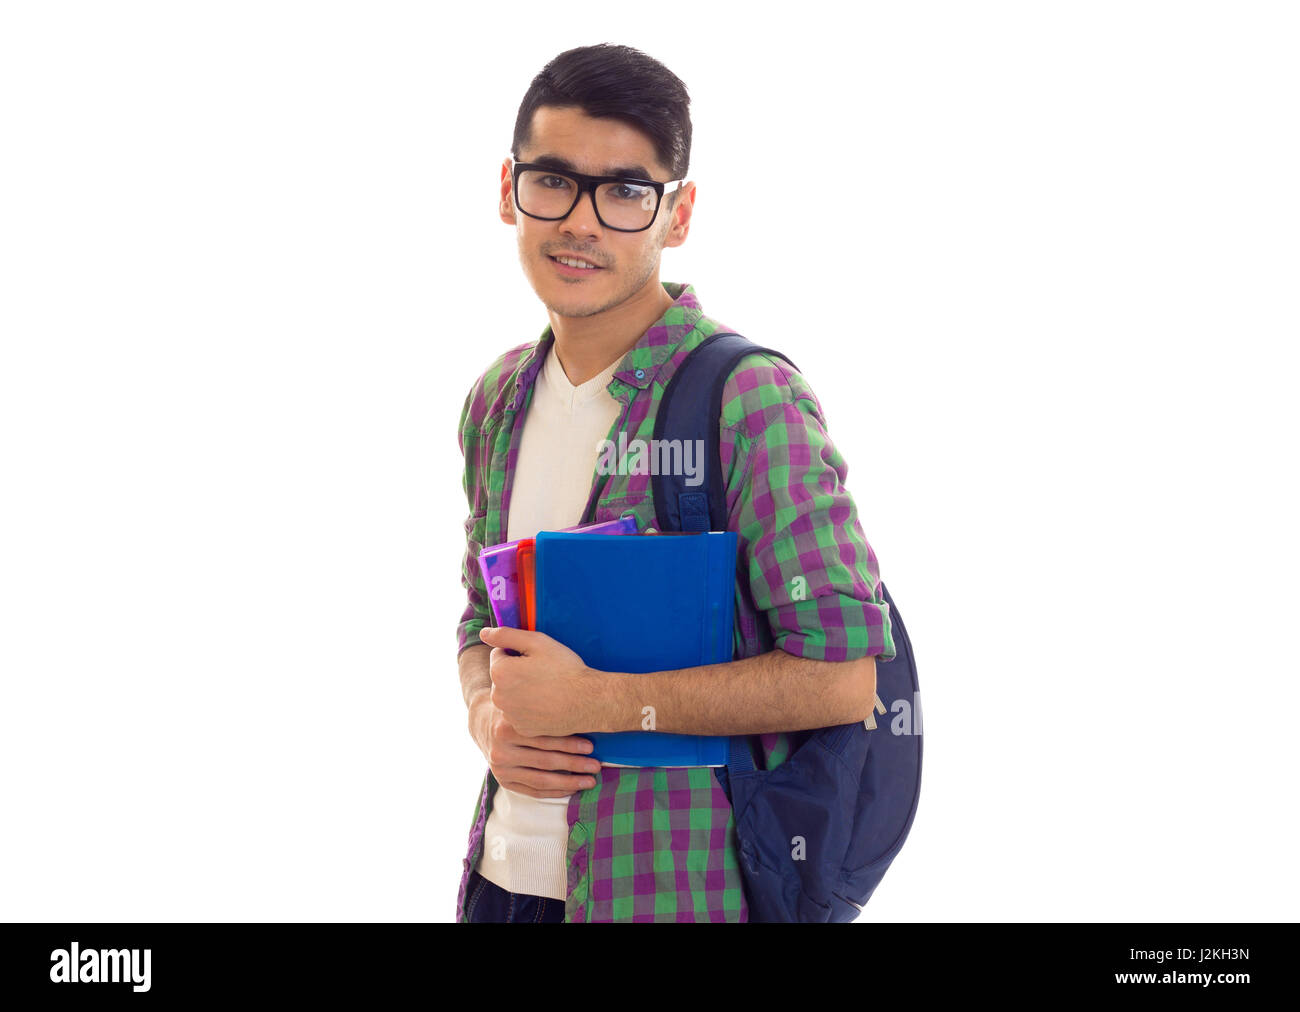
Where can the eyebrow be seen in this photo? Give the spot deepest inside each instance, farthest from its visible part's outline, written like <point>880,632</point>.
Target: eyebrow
<point>564,165</point>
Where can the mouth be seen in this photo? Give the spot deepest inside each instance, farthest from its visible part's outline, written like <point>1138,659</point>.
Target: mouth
<point>572,266</point>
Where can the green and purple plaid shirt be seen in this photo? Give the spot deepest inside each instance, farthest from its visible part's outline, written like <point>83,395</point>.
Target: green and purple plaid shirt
<point>658,844</point>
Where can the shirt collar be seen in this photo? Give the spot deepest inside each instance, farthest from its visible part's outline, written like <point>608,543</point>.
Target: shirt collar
<point>638,367</point>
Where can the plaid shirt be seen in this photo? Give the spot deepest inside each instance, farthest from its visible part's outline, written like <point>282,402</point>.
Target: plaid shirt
<point>658,844</point>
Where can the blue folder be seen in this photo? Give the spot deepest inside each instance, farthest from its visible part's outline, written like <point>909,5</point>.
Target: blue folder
<point>641,603</point>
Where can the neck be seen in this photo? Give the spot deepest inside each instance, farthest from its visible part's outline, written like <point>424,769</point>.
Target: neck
<point>586,345</point>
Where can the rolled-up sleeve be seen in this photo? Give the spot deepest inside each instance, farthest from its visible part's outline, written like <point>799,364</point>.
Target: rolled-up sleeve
<point>810,570</point>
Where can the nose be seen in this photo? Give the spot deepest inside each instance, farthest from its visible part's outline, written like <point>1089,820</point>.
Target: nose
<point>582,219</point>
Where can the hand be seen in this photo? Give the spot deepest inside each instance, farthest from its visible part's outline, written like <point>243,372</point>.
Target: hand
<point>541,767</point>
<point>546,690</point>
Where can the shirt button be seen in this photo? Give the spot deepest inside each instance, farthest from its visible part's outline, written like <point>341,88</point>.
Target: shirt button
<point>640,374</point>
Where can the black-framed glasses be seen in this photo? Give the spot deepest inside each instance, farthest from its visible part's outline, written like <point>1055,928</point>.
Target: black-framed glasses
<point>622,203</point>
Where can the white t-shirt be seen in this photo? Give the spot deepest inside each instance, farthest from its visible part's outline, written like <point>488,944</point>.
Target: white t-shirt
<point>525,839</point>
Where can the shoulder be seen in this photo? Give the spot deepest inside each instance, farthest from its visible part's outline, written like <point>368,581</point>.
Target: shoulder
<point>764,389</point>
<point>487,397</point>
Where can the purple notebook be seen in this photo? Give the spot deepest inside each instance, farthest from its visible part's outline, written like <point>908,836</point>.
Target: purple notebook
<point>501,577</point>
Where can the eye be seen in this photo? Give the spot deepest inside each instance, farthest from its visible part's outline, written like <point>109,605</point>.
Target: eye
<point>554,182</point>
<point>629,191</point>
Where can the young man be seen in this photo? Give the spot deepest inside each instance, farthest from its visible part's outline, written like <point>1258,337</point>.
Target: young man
<point>556,836</point>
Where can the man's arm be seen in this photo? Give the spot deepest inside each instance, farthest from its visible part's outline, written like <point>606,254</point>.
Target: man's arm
<point>542,767</point>
<point>775,691</point>
<point>548,690</point>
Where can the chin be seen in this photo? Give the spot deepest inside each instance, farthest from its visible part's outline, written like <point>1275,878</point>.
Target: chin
<point>575,308</point>
<point>571,299</point>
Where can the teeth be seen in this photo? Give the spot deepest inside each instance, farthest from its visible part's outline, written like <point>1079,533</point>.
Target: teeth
<point>575,263</point>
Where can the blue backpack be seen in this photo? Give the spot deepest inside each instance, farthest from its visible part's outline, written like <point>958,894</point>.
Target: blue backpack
<point>816,834</point>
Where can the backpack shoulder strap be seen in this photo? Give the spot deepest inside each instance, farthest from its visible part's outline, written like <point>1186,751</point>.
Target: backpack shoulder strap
<point>690,411</point>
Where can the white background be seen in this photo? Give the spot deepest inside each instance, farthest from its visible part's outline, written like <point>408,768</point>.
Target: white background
<point>1038,261</point>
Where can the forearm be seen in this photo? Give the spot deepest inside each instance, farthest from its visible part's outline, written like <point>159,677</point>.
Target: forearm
<point>475,681</point>
<point>775,691</point>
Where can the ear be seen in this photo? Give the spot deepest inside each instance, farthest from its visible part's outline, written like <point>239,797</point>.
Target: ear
<point>681,216</point>
<point>507,208</point>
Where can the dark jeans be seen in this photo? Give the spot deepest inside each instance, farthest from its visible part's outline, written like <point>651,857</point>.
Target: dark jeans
<point>487,903</point>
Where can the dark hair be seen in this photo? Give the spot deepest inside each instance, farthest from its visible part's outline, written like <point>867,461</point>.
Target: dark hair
<point>621,83</point>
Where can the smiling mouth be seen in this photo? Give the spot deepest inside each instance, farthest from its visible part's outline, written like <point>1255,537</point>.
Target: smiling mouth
<point>574,263</point>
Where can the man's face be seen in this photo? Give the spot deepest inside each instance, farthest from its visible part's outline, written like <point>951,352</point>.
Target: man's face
<point>627,263</point>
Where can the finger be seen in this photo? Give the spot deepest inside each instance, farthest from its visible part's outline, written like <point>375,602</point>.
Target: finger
<point>540,759</point>
<point>507,638</point>
<point>553,743</point>
<point>543,780</point>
